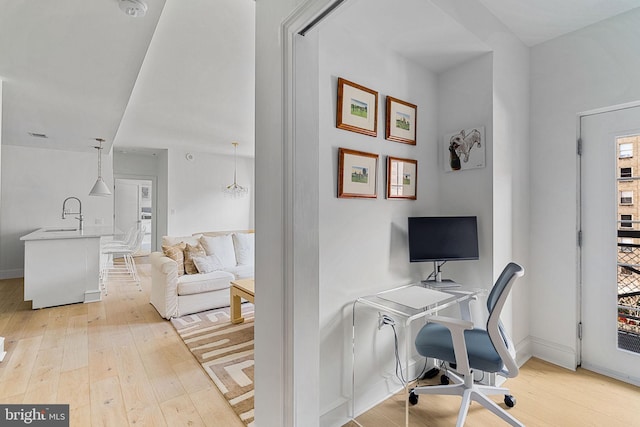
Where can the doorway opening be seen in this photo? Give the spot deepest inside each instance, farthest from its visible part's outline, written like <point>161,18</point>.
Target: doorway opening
<point>134,207</point>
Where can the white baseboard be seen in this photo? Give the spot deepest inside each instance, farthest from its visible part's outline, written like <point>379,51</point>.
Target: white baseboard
<point>93,296</point>
<point>523,351</point>
<point>12,274</point>
<point>612,374</point>
<point>338,413</point>
<point>551,352</point>
<point>2,352</point>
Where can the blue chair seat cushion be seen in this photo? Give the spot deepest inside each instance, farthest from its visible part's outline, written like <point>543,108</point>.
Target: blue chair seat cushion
<point>434,340</point>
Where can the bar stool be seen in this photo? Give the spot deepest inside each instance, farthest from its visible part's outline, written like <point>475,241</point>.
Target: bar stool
<point>126,271</point>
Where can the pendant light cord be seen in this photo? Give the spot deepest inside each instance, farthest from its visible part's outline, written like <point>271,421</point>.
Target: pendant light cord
<point>99,148</point>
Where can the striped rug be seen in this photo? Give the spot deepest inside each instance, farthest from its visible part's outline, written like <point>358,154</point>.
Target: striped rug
<point>225,351</point>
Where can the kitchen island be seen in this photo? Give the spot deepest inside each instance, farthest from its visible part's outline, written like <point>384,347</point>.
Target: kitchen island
<point>62,265</point>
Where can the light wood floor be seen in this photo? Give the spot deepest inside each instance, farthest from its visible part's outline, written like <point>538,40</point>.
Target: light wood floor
<point>116,362</point>
<point>546,394</point>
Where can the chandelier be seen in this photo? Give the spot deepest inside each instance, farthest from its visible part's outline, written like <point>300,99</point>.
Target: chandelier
<point>235,190</point>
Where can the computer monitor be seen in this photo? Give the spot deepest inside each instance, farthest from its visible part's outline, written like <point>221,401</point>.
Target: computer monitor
<point>442,238</point>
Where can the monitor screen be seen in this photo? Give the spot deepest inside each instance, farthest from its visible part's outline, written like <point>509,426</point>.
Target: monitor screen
<point>445,238</point>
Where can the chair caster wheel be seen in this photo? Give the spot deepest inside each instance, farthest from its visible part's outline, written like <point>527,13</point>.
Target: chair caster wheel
<point>509,400</point>
<point>444,380</point>
<point>413,398</point>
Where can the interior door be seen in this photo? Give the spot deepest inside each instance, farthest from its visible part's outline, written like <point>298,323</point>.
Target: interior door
<point>610,254</point>
<point>127,204</point>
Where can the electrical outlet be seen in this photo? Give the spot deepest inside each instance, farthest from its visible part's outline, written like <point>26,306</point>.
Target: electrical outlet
<point>384,319</point>
<point>380,322</point>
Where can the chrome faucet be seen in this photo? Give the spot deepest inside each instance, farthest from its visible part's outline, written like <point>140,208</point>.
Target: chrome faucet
<point>66,212</point>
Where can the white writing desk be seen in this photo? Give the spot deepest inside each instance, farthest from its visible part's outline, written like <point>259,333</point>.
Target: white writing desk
<point>406,304</point>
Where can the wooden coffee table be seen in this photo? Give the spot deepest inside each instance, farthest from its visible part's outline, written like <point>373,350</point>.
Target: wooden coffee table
<point>243,288</point>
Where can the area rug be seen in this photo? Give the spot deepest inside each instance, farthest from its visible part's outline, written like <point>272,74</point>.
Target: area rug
<point>225,351</point>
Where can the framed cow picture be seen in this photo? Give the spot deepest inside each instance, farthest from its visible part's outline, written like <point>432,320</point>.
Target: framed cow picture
<point>464,149</point>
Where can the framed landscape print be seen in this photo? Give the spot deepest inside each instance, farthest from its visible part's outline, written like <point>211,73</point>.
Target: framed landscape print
<point>357,172</point>
<point>402,178</point>
<point>401,121</point>
<point>357,108</point>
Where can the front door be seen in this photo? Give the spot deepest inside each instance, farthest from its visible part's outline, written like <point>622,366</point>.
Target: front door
<point>610,253</point>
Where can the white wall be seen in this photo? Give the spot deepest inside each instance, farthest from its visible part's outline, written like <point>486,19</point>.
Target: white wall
<point>363,243</point>
<point>510,180</point>
<point>1,83</point>
<point>591,68</point>
<point>465,100</point>
<point>195,198</point>
<point>35,182</point>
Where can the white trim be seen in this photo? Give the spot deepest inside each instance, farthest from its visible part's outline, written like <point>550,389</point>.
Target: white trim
<point>579,287</point>
<point>612,374</point>
<point>523,351</point>
<point>300,229</point>
<point>2,352</point>
<point>609,109</point>
<point>551,352</point>
<point>14,273</point>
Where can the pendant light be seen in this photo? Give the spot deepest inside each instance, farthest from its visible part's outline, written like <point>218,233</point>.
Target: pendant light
<point>100,188</point>
<point>235,190</point>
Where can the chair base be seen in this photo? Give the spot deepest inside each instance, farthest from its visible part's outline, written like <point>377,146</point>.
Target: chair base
<point>470,392</point>
<point>125,271</point>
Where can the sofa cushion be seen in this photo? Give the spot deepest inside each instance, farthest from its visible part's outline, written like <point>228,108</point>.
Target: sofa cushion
<point>241,271</point>
<point>176,253</point>
<point>199,283</point>
<point>190,252</point>
<point>222,248</point>
<point>243,244</point>
<point>207,264</point>
<point>171,240</point>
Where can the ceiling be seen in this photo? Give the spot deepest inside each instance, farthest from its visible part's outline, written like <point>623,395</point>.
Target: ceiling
<point>184,75</point>
<point>75,70</point>
<point>427,35</point>
<point>537,21</point>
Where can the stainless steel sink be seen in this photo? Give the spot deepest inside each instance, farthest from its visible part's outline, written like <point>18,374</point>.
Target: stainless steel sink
<point>60,229</point>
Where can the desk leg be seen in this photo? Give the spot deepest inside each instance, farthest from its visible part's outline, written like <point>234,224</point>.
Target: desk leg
<point>236,311</point>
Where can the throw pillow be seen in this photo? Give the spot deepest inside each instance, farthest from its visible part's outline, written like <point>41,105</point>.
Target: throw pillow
<point>222,247</point>
<point>244,247</point>
<point>174,240</point>
<point>176,253</point>
<point>189,253</point>
<point>207,264</point>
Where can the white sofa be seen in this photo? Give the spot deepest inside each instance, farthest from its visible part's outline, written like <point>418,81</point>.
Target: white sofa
<point>229,256</point>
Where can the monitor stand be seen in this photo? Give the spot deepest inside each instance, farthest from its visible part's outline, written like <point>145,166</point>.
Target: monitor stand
<point>436,271</point>
<point>438,282</point>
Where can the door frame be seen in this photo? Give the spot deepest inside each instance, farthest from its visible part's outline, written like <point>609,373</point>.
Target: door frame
<point>154,202</point>
<point>579,286</point>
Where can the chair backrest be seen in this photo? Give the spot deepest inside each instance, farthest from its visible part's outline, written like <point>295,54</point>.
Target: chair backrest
<point>130,235</point>
<point>495,304</point>
<point>137,242</point>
